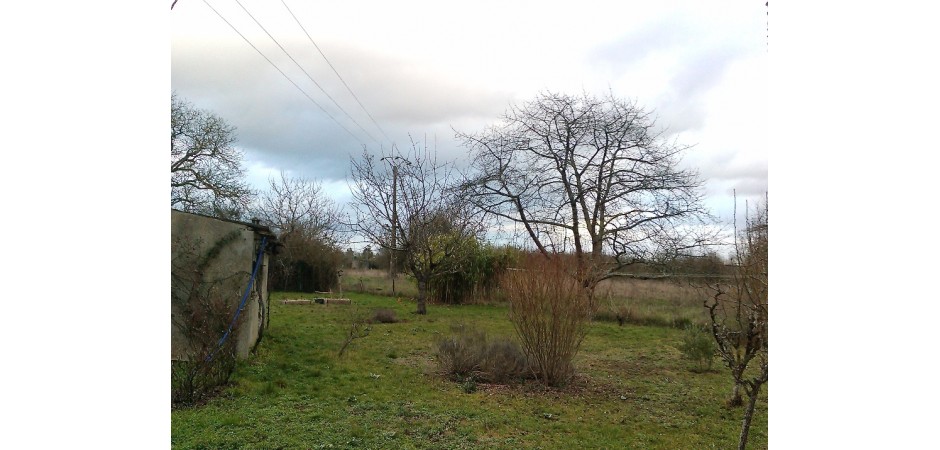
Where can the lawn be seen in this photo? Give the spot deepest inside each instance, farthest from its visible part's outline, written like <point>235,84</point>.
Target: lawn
<point>633,390</point>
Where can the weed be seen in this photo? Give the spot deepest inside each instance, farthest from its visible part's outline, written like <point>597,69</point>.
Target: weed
<point>469,385</point>
<point>698,347</point>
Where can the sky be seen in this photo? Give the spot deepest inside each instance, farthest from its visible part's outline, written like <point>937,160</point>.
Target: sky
<point>419,70</point>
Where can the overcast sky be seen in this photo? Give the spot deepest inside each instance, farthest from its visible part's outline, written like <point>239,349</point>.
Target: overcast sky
<point>425,68</point>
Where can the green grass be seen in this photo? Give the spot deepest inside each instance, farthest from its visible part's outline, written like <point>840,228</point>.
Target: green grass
<point>634,390</point>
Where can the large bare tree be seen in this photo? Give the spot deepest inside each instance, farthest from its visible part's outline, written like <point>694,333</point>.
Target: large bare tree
<point>205,166</point>
<point>421,217</point>
<point>589,176</point>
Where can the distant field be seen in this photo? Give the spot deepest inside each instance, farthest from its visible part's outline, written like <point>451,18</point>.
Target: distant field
<point>371,281</point>
<point>649,302</point>
<point>633,389</point>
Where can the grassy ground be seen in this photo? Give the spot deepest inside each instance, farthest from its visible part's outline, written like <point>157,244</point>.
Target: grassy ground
<point>633,391</point>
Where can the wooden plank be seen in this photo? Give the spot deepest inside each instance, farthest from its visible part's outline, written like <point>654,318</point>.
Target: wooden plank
<point>296,302</point>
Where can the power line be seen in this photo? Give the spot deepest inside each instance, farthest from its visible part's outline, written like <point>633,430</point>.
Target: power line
<point>305,72</point>
<point>284,74</point>
<point>336,72</point>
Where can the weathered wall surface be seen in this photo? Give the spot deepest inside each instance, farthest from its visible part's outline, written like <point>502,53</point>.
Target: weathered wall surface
<point>218,256</point>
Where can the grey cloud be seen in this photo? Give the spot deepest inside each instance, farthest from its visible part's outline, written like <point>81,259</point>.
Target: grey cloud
<point>753,169</point>
<point>747,180</point>
<point>278,125</point>
<point>410,93</point>
<point>729,170</point>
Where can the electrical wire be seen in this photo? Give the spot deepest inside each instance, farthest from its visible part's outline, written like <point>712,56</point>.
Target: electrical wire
<point>336,72</point>
<point>284,74</point>
<point>305,72</point>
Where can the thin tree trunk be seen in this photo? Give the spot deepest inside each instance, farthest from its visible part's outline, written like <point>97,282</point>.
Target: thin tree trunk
<point>736,399</point>
<point>422,297</point>
<point>748,415</point>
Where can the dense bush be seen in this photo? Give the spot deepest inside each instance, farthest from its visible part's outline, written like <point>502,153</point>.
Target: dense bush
<point>305,265</point>
<point>477,279</point>
<point>469,355</point>
<point>550,311</point>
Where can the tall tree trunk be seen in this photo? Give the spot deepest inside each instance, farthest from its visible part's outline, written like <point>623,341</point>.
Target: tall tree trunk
<point>422,297</point>
<point>748,415</point>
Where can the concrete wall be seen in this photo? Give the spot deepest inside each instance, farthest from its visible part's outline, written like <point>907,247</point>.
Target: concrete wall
<point>234,246</point>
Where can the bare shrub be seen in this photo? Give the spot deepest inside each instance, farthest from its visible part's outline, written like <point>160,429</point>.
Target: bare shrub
<point>504,361</point>
<point>550,311</point>
<point>469,355</point>
<point>384,315</point>
<point>461,354</point>
<point>357,329</point>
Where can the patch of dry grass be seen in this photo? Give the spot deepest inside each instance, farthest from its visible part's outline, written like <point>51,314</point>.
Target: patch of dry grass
<point>377,282</point>
<point>649,302</point>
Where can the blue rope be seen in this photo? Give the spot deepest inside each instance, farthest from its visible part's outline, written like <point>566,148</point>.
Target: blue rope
<point>241,305</point>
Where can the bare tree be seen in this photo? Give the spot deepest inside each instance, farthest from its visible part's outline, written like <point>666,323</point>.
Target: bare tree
<point>298,205</point>
<point>307,222</point>
<point>589,176</point>
<point>432,225</point>
<point>206,168</point>
<point>739,315</point>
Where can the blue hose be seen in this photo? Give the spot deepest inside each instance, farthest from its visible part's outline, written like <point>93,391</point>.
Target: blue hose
<point>244,300</point>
